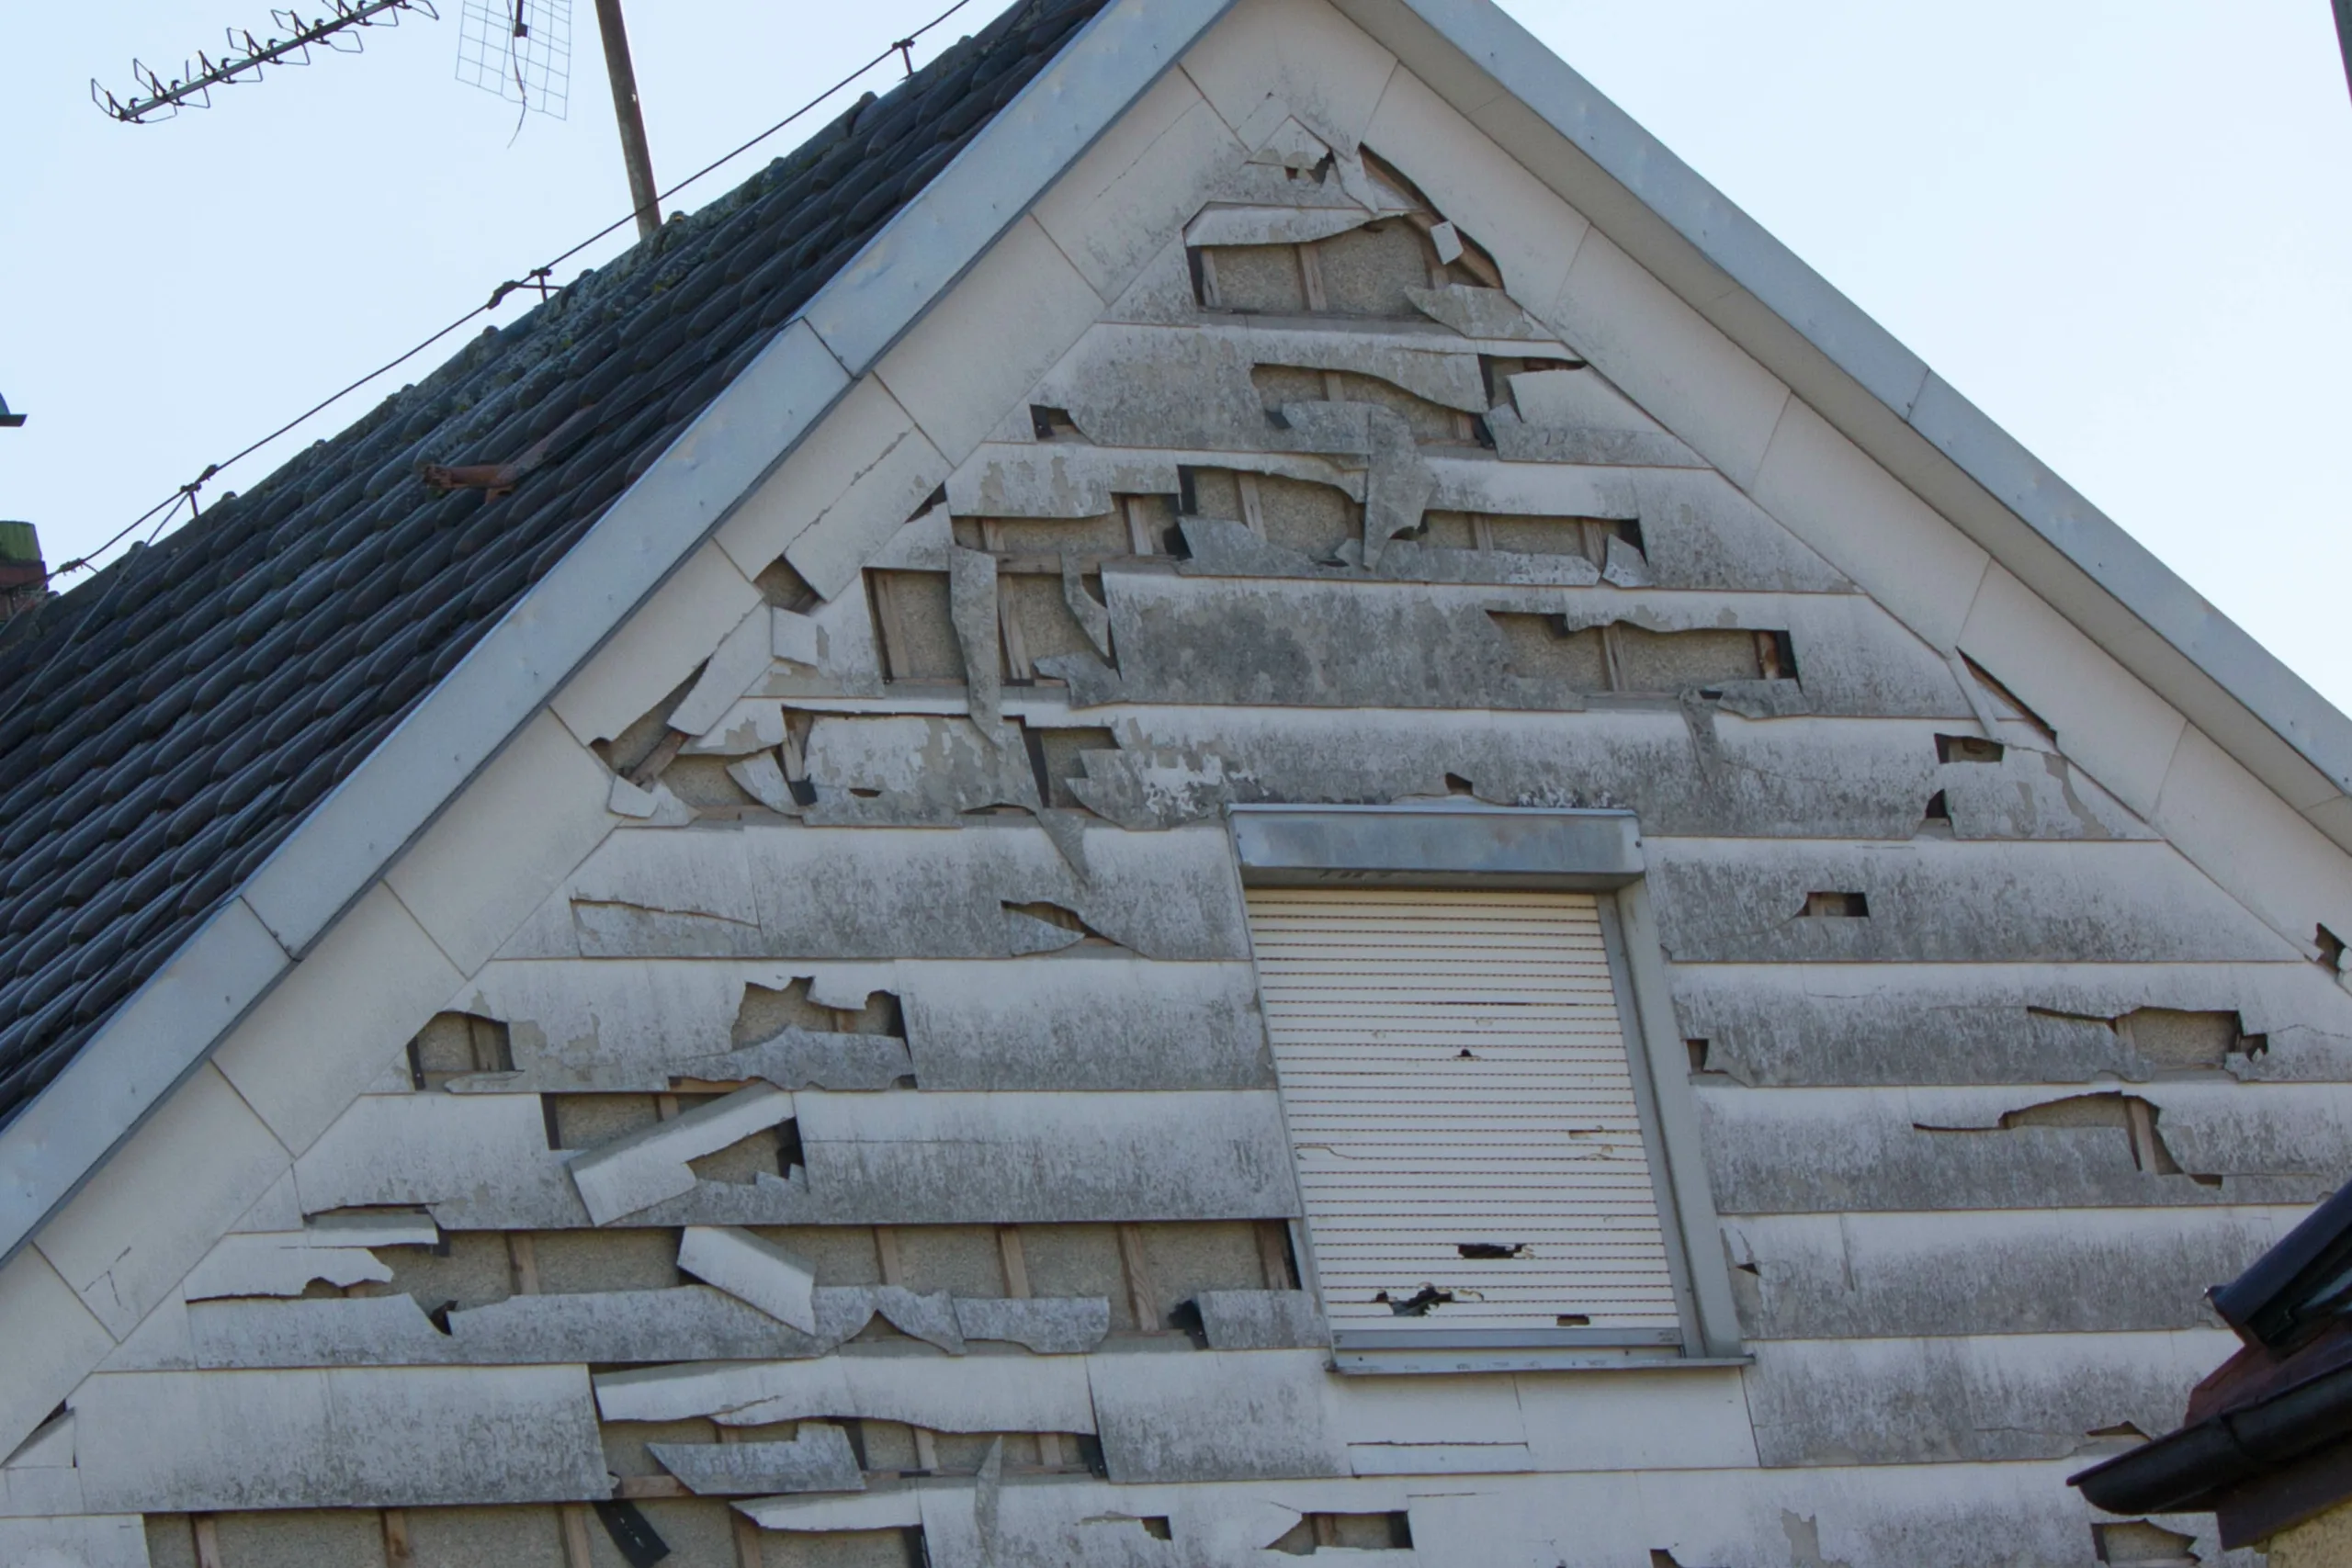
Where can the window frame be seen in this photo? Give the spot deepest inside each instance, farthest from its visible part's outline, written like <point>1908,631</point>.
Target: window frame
<point>1458,844</point>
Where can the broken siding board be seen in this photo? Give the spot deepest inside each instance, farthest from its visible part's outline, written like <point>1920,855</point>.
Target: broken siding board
<point>883,893</point>
<point>969,1393</point>
<point>689,1322</point>
<point>633,1024</point>
<point>1111,1021</point>
<point>641,1169</point>
<point>1968,1400</point>
<point>1684,771</point>
<point>1379,644</point>
<point>1744,901</point>
<point>1809,1024</point>
<point>407,1438</point>
<point>900,1158</point>
<point>2052,1271</point>
<point>1884,1150</point>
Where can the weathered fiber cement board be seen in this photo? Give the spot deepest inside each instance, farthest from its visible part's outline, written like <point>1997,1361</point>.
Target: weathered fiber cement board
<point>896,1159</point>
<point>1191,387</point>
<point>442,1150</point>
<point>638,1169</point>
<point>116,1541</point>
<point>2016,1513</point>
<point>1103,1023</point>
<point>167,1442</point>
<point>2052,1271</point>
<point>883,893</point>
<point>1684,769</point>
<point>688,1323</point>
<point>1008,1159</point>
<point>1216,1416</point>
<point>1094,1018</point>
<point>969,1394</point>
<point>1299,643</point>
<point>900,769</point>
<point>818,1458</point>
<point>1961,1401</point>
<point>1798,1025</point>
<point>1743,901</point>
<point>623,1024</point>
<point>1805,1151</point>
<point>1262,1320</point>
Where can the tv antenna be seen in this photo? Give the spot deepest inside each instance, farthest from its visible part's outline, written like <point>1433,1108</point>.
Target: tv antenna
<point>521,50</point>
<point>336,31</point>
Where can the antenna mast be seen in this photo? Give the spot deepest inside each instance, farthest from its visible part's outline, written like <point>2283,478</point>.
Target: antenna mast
<point>642,191</point>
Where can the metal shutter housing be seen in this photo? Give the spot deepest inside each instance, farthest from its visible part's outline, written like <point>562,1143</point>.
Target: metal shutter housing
<point>1469,1144</point>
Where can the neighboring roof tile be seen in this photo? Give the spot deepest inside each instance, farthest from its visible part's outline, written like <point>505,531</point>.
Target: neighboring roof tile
<point>166,724</point>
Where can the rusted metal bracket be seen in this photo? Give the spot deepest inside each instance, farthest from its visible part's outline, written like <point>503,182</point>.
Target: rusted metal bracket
<point>498,479</point>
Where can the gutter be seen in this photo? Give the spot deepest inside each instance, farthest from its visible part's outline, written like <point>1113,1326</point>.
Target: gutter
<point>2188,1471</point>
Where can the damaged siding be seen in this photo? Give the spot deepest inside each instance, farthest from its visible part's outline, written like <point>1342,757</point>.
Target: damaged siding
<point>874,1150</point>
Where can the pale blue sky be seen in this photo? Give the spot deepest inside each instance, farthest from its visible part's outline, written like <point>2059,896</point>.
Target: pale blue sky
<point>2121,226</point>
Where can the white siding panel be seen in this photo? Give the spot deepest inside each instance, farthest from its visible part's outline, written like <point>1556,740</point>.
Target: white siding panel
<point>1453,1070</point>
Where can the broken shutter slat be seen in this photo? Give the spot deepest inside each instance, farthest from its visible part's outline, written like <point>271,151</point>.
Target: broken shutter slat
<point>1468,1143</point>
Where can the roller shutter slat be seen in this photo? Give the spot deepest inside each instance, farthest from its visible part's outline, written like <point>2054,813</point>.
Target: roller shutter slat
<point>1453,1070</point>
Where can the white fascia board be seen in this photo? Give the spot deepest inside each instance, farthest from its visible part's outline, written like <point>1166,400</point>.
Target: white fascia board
<point>1691,236</point>
<point>347,841</point>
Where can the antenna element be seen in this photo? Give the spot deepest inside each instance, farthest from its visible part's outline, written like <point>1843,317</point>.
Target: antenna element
<point>163,99</point>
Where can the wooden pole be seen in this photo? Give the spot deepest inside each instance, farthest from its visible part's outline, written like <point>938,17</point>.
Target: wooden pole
<point>641,188</point>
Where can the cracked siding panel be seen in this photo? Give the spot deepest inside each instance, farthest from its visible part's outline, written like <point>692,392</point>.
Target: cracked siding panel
<point>153,1441</point>
<point>1805,1151</point>
<point>883,893</point>
<point>905,770</point>
<point>1191,386</point>
<point>1685,771</point>
<point>631,1024</point>
<point>1101,1022</point>
<point>1744,901</point>
<point>1074,482</point>
<point>974,1393</point>
<point>481,1162</point>
<point>1366,644</point>
<point>598,1327</point>
<point>1797,1026</point>
<point>1963,1401</point>
<point>2052,1271</point>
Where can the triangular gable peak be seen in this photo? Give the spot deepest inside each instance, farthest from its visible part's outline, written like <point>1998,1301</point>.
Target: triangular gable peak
<point>1295,395</point>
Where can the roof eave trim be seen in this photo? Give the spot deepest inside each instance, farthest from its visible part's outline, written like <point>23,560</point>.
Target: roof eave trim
<point>173,1023</point>
<point>1864,354</point>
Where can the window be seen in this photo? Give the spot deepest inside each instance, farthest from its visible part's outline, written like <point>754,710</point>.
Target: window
<point>1480,1148</point>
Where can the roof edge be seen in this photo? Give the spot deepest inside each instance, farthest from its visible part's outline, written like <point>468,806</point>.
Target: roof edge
<point>167,1028</point>
<point>1838,336</point>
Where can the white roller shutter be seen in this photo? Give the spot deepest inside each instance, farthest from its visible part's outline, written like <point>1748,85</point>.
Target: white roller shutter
<point>1454,1074</point>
